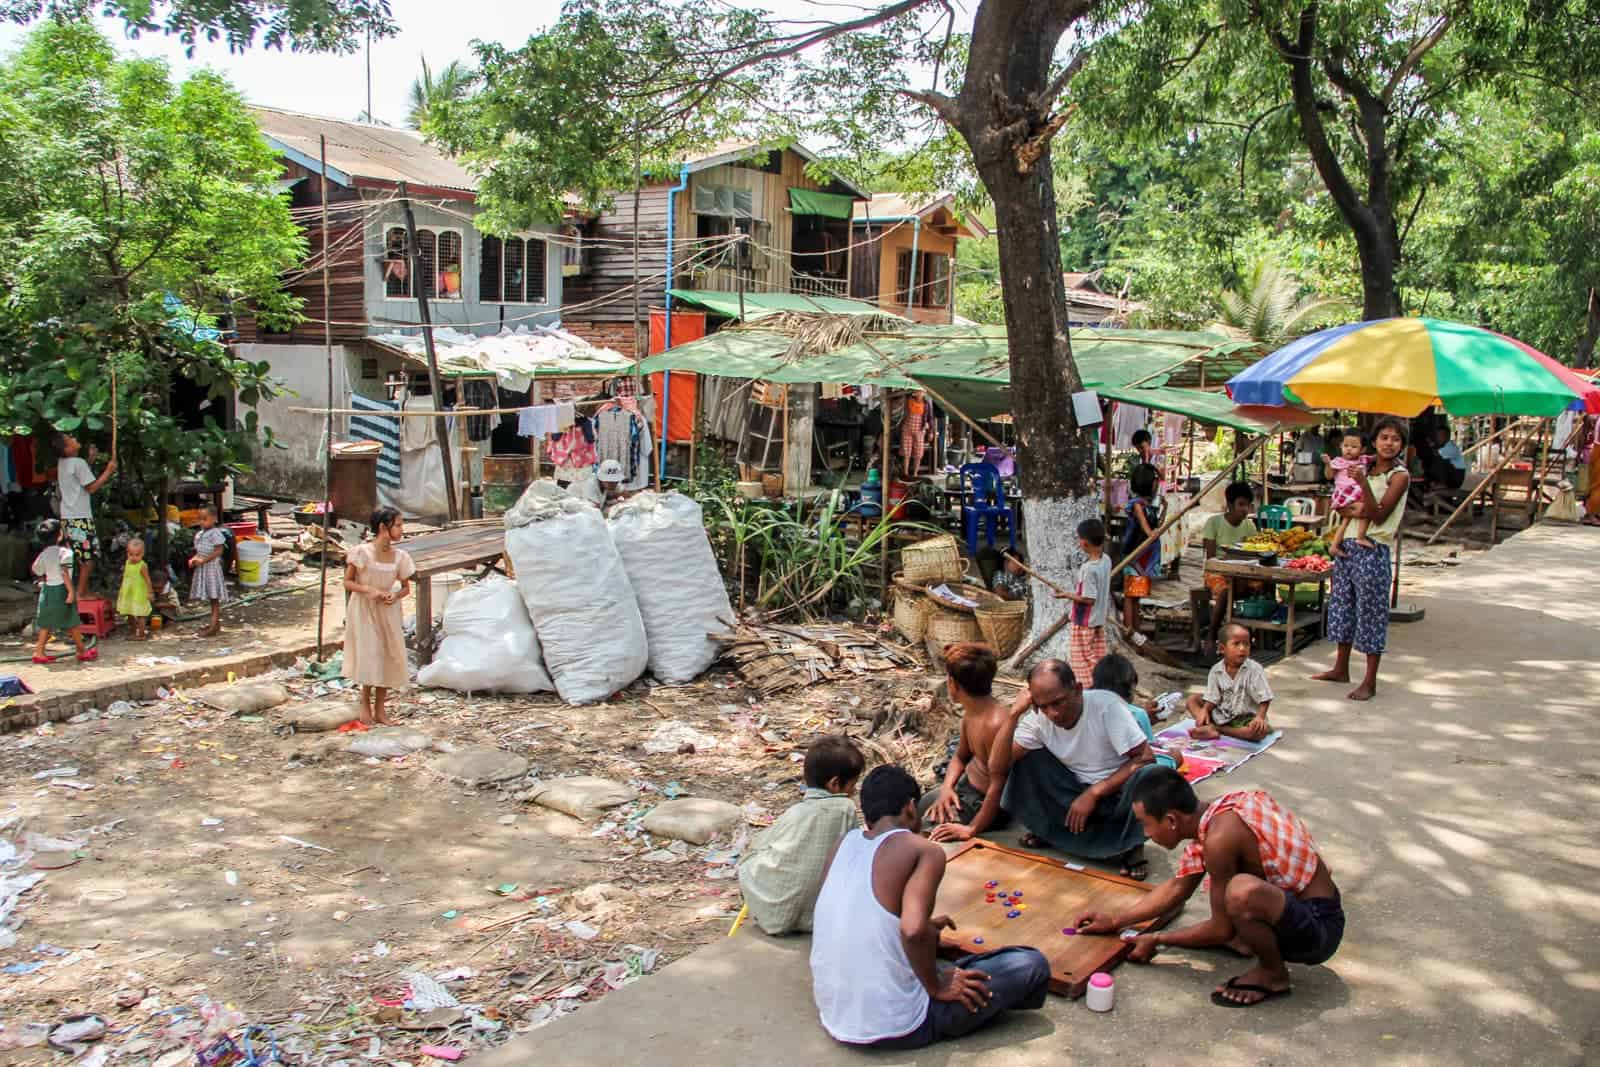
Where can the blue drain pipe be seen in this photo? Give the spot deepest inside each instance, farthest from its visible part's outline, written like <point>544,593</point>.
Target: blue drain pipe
<point>666,337</point>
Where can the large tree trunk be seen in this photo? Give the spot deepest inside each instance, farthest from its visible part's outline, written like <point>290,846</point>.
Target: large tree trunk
<point>1379,248</point>
<point>1006,118</point>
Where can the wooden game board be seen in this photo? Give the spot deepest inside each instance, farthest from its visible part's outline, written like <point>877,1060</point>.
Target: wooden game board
<point>1055,895</point>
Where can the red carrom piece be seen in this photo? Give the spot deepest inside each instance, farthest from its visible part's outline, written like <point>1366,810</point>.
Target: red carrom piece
<point>1058,894</point>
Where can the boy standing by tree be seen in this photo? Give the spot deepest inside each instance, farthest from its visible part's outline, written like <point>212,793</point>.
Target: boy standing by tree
<point>781,874</point>
<point>1087,641</point>
<point>77,483</point>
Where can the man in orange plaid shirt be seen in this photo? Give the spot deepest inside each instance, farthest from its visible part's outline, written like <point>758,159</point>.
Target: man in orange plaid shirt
<point>1272,896</point>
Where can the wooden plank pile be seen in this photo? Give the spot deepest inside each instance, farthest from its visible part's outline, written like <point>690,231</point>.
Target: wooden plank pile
<point>773,659</point>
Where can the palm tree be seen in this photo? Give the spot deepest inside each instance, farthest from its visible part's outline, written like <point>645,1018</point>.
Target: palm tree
<point>427,92</point>
<point>1268,307</point>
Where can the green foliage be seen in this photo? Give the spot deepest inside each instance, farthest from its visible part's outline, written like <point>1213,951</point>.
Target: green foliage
<point>1268,306</point>
<point>429,93</point>
<point>122,188</point>
<point>562,116</point>
<point>302,25</point>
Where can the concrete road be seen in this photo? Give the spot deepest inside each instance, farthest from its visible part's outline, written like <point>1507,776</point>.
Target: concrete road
<point>1458,812</point>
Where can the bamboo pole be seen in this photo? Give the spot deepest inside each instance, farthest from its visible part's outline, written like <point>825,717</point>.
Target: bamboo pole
<point>1507,428</point>
<point>883,506</point>
<point>327,348</point>
<point>1105,427</point>
<point>1487,483</point>
<point>434,386</point>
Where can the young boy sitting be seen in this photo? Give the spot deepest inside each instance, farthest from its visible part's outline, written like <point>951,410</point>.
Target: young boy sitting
<point>1237,694</point>
<point>782,873</point>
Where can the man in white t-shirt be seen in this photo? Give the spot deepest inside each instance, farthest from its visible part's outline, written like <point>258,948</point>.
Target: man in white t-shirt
<point>76,482</point>
<point>1074,760</point>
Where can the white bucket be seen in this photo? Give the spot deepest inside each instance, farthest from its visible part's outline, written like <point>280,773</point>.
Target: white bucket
<point>443,586</point>
<point>254,562</point>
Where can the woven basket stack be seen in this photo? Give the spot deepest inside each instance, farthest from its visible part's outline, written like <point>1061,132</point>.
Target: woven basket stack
<point>969,613</point>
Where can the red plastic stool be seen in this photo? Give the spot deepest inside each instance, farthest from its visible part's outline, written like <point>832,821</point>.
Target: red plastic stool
<point>97,615</point>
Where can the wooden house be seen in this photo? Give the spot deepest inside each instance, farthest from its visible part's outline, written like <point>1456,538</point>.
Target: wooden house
<point>903,253</point>
<point>1090,305</point>
<point>797,230</point>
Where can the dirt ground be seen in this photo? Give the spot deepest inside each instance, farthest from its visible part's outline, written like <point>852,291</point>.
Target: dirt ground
<point>185,888</point>
<point>173,886</point>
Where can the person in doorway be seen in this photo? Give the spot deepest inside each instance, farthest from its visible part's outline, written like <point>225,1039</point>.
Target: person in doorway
<point>57,609</point>
<point>782,872</point>
<point>1073,758</point>
<point>1272,894</point>
<point>875,974</point>
<point>1447,467</point>
<point>1237,693</point>
<point>1220,531</point>
<point>206,580</point>
<point>378,577</point>
<point>914,435</point>
<point>1091,602</point>
<point>968,803</point>
<point>1358,603</point>
<point>77,483</point>
<point>1144,517</point>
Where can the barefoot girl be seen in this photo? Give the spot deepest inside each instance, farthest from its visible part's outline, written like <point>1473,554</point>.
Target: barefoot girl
<point>57,602</point>
<point>133,600</point>
<point>377,577</point>
<point>207,582</point>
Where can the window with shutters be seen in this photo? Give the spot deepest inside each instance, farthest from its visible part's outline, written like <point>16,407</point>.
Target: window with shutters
<point>514,270</point>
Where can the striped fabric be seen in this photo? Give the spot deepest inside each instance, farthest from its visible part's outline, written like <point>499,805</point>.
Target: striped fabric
<point>385,431</point>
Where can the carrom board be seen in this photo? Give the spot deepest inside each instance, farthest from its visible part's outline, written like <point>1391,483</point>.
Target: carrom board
<point>1055,894</point>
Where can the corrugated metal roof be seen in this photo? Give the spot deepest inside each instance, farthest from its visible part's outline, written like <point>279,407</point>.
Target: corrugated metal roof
<point>905,205</point>
<point>361,150</point>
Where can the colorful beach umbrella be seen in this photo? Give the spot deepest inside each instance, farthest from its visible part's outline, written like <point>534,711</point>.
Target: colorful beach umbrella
<point>1404,366</point>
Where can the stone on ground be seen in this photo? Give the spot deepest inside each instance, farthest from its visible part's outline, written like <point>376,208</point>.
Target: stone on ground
<point>321,715</point>
<point>479,765</point>
<point>243,698</point>
<point>386,742</point>
<point>693,819</point>
<point>582,797</point>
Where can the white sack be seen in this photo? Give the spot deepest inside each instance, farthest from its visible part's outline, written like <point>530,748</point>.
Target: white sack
<point>490,645</point>
<point>577,593</point>
<point>662,540</point>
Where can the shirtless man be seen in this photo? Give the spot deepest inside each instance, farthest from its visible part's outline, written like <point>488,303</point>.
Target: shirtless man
<point>969,801</point>
<point>875,974</point>
<point>1272,896</point>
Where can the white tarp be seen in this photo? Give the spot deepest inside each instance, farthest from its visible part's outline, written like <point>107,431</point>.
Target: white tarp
<point>513,356</point>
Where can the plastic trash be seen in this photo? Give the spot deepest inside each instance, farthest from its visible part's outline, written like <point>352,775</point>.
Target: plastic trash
<point>490,644</point>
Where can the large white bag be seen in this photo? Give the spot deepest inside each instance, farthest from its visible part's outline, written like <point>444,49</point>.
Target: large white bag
<point>662,540</point>
<point>489,645</point>
<point>576,592</point>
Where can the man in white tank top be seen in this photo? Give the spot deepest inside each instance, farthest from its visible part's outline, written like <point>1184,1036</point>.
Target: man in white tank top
<point>875,973</point>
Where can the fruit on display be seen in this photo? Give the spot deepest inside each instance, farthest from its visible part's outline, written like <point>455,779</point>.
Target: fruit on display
<point>1309,562</point>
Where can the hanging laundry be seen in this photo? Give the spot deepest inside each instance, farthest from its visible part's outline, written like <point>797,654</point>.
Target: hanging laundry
<point>566,415</point>
<point>1128,420</point>
<point>573,450</point>
<point>617,437</point>
<point>540,420</point>
<point>418,433</point>
<point>383,429</point>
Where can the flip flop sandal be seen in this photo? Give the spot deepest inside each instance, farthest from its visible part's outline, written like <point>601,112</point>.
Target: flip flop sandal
<point>1138,870</point>
<point>1031,841</point>
<point>1247,987</point>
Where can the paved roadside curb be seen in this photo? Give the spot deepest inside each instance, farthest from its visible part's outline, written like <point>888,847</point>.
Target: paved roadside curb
<point>50,705</point>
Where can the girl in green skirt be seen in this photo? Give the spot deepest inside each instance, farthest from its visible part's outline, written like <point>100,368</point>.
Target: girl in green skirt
<point>57,607</point>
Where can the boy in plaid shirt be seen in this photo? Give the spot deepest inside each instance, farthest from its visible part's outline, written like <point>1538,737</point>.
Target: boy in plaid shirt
<point>1272,895</point>
<point>782,873</point>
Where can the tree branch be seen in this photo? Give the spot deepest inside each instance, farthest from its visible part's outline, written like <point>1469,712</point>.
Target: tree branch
<point>1058,84</point>
<point>942,105</point>
<point>1244,149</point>
<point>1422,47</point>
<point>1297,54</point>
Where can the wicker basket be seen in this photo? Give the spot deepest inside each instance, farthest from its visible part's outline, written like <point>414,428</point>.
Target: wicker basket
<point>938,558</point>
<point>911,611</point>
<point>948,627</point>
<point>1003,624</point>
<point>966,590</point>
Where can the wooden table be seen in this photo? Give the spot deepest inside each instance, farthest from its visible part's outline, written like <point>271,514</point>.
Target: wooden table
<point>479,544</point>
<point>1236,571</point>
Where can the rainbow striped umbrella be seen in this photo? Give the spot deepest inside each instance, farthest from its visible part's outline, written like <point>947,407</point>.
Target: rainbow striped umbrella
<point>1404,366</point>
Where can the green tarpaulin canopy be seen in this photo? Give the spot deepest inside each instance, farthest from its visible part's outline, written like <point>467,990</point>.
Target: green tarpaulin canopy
<point>969,366</point>
<point>815,202</point>
<point>758,306</point>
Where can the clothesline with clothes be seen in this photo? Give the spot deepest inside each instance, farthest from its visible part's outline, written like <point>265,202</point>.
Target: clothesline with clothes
<point>447,412</point>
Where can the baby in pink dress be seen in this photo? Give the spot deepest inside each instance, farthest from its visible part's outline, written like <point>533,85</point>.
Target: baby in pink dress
<point>1346,490</point>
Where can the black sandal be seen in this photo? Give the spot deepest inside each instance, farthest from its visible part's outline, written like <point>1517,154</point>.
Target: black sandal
<point>1221,1001</point>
